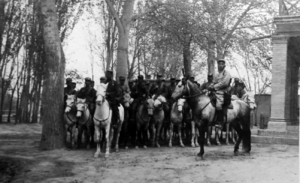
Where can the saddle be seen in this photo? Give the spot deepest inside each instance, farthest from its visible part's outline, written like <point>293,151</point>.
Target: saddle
<point>227,100</point>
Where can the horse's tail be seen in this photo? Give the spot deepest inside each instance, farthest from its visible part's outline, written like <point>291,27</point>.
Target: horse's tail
<point>247,131</point>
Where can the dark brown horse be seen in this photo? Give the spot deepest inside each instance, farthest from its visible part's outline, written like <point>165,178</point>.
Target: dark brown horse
<point>204,114</point>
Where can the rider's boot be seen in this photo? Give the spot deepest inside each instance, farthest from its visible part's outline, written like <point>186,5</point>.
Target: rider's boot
<point>220,118</point>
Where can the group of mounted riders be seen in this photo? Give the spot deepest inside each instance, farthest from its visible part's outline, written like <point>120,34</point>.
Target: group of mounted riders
<point>141,89</point>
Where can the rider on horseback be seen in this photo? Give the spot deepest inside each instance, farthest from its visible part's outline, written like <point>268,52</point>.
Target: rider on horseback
<point>221,84</point>
<point>89,94</point>
<point>139,93</point>
<point>204,87</point>
<point>123,88</point>
<point>69,90</point>
<point>159,88</point>
<point>170,90</point>
<point>112,93</point>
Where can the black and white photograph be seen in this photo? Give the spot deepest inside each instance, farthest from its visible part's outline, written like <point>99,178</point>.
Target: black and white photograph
<point>149,91</point>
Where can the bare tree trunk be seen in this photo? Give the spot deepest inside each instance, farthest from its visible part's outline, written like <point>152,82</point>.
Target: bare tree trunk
<point>211,57</point>
<point>187,61</point>
<point>123,25</point>
<point>2,26</point>
<point>53,134</point>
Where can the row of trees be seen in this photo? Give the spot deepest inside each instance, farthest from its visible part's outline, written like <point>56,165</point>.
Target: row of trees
<point>156,36</point>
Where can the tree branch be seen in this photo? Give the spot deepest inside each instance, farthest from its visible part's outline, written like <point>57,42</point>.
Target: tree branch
<point>115,15</point>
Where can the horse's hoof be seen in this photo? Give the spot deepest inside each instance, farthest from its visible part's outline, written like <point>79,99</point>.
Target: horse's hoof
<point>136,147</point>
<point>117,150</point>
<point>96,155</point>
<point>126,147</point>
<point>106,155</point>
<point>218,143</point>
<point>170,145</point>
<point>197,145</point>
<point>181,145</point>
<point>227,143</point>
<point>193,145</point>
<point>157,145</point>
<point>236,153</point>
<point>145,147</point>
<point>199,157</point>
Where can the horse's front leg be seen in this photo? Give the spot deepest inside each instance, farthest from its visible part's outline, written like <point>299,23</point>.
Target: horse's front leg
<point>217,135</point>
<point>88,136</point>
<point>202,130</point>
<point>97,131</point>
<point>107,139</point>
<point>118,135</point>
<point>193,133</point>
<point>153,133</point>
<point>208,135</point>
<point>227,133</point>
<point>159,125</point>
<point>179,134</point>
<point>79,136</point>
<point>197,136</point>
<point>171,134</point>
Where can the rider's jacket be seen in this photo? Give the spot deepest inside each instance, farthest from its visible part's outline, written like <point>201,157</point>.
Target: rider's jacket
<point>139,90</point>
<point>88,93</point>
<point>158,89</point>
<point>222,80</point>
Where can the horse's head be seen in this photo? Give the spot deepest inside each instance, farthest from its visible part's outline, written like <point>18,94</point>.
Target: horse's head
<point>126,100</point>
<point>182,89</point>
<point>81,106</point>
<point>70,103</point>
<point>159,102</point>
<point>101,91</point>
<point>149,105</point>
<point>179,104</point>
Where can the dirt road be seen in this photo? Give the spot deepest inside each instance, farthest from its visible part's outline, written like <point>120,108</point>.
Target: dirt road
<point>25,163</point>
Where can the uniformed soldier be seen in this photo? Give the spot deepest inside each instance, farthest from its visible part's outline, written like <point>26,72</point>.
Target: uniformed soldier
<point>131,84</point>
<point>89,94</point>
<point>74,86</point>
<point>234,89</point>
<point>123,88</point>
<point>220,84</point>
<point>102,79</point>
<point>158,88</point>
<point>138,93</point>
<point>241,92</point>
<point>148,85</point>
<point>112,94</point>
<point>69,90</point>
<point>204,86</point>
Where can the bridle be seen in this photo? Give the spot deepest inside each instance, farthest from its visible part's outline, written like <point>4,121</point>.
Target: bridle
<point>102,120</point>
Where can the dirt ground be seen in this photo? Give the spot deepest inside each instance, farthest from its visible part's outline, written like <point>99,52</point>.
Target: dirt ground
<point>21,161</point>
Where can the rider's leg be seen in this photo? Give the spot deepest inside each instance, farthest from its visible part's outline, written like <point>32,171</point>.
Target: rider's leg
<point>219,109</point>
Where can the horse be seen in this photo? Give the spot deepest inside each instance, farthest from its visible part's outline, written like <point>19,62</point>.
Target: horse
<point>204,115</point>
<point>126,101</point>
<point>143,117</point>
<point>176,117</point>
<point>70,119</point>
<point>85,121</point>
<point>158,118</point>
<point>102,120</point>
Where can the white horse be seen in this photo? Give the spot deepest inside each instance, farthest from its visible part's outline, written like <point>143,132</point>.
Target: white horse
<point>70,119</point>
<point>158,118</point>
<point>176,119</point>
<point>85,121</point>
<point>102,120</point>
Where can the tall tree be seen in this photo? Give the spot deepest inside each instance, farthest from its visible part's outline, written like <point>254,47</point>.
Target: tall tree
<point>52,102</point>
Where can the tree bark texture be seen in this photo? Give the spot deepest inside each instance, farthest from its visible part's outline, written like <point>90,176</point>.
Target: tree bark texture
<point>187,61</point>
<point>52,95</point>
<point>211,57</point>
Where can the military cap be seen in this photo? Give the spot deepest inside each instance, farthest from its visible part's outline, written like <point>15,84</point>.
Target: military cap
<point>140,77</point>
<point>102,78</point>
<point>122,78</point>
<point>88,79</point>
<point>236,80</point>
<point>210,75</point>
<point>92,81</point>
<point>109,72</point>
<point>159,75</point>
<point>69,80</point>
<point>221,60</point>
<point>73,83</point>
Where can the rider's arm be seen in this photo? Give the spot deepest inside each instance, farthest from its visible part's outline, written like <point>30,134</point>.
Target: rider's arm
<point>223,83</point>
